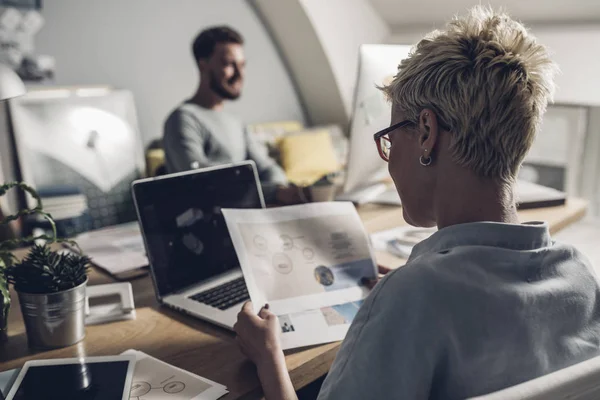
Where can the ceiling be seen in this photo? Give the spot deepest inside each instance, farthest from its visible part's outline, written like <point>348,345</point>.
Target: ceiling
<point>398,13</point>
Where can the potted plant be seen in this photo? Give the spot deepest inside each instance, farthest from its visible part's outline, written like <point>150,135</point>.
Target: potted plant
<point>50,285</point>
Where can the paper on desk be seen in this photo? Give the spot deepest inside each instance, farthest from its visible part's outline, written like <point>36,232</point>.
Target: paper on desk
<point>115,249</point>
<point>532,193</point>
<point>404,238</point>
<point>304,257</point>
<point>156,380</point>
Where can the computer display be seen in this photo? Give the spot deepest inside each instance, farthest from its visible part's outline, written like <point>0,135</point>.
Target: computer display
<point>372,112</point>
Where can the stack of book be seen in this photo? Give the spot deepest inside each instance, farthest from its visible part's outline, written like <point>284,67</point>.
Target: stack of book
<point>68,207</point>
<point>64,202</point>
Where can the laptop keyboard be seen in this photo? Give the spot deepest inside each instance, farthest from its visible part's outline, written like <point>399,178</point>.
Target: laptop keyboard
<point>225,296</point>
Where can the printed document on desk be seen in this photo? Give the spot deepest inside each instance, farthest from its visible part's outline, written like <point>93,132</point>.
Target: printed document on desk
<point>304,257</point>
<point>117,249</point>
<point>154,379</point>
<point>400,241</point>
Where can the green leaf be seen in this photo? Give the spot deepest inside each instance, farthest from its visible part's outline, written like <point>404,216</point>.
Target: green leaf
<point>4,296</point>
<point>43,270</point>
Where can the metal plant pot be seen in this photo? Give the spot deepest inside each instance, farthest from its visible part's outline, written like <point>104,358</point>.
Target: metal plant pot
<point>4,309</point>
<point>3,329</point>
<point>56,319</point>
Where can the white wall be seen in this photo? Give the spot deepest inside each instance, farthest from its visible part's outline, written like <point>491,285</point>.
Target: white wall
<point>295,35</point>
<point>590,164</point>
<point>320,40</point>
<point>574,48</point>
<point>410,36</point>
<point>342,26</point>
<point>144,46</point>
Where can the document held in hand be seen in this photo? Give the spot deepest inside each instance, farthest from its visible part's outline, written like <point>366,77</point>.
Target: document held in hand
<point>307,263</point>
<point>303,257</point>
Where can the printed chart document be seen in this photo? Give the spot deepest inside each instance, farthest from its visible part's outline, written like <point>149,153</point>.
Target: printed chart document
<point>304,257</point>
<point>154,379</point>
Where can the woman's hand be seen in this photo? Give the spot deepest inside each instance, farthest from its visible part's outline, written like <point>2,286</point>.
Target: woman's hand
<point>258,335</point>
<point>370,283</point>
<point>258,338</point>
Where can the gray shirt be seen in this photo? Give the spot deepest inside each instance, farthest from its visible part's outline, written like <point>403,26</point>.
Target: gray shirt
<point>478,307</point>
<point>196,137</point>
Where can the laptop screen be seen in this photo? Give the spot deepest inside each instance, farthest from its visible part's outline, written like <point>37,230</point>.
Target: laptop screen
<point>186,235</point>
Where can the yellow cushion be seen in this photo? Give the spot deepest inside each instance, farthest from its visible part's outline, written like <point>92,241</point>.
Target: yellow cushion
<point>307,156</point>
<point>155,158</point>
<point>277,127</point>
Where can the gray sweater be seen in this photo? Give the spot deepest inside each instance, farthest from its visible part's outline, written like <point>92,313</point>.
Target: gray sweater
<point>478,307</point>
<point>196,137</point>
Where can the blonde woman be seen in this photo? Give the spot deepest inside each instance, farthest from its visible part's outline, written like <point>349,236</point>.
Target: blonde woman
<point>485,303</point>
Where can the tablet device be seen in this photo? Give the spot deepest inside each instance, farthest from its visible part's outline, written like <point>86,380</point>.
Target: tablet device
<point>90,378</point>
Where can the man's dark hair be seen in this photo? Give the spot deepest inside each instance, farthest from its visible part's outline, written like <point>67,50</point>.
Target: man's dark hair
<point>205,42</point>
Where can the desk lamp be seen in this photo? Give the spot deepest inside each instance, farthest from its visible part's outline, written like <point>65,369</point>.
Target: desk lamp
<point>10,86</point>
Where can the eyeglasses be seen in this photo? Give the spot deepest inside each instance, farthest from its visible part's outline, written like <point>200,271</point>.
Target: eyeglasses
<point>383,142</point>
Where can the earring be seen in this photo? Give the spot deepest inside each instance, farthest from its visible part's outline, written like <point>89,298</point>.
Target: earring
<point>425,161</point>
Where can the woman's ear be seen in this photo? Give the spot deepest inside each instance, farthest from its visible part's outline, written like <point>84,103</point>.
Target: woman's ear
<point>428,124</point>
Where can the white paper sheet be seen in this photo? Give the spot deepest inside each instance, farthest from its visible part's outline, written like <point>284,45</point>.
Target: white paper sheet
<point>302,258</point>
<point>7,378</point>
<point>154,379</point>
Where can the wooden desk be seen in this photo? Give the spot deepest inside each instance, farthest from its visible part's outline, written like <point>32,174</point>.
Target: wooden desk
<point>209,351</point>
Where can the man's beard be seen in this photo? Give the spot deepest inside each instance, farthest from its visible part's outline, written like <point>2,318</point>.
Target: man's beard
<point>219,89</point>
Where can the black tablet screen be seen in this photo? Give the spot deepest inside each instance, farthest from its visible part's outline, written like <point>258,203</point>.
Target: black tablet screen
<point>93,381</point>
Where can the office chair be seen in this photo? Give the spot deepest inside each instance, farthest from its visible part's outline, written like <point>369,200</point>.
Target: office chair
<point>577,382</point>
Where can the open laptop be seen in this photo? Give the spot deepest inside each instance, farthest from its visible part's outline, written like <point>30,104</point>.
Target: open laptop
<point>193,262</point>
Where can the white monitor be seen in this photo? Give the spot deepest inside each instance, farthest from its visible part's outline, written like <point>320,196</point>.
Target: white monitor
<point>81,141</point>
<point>378,64</point>
<point>366,171</point>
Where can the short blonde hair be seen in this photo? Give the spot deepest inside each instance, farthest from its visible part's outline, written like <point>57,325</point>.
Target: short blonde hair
<point>488,81</point>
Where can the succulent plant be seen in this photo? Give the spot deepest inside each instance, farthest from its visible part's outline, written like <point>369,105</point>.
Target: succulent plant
<point>47,271</point>
<point>43,270</point>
